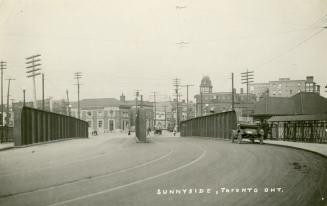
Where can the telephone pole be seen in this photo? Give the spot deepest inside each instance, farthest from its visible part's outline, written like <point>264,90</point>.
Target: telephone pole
<point>176,84</point>
<point>3,65</point>
<point>187,105</point>
<point>247,77</point>
<point>233,103</point>
<point>68,109</point>
<point>78,76</point>
<point>8,94</point>
<point>33,65</point>
<point>43,103</point>
<point>155,108</point>
<point>165,106</point>
<point>201,103</point>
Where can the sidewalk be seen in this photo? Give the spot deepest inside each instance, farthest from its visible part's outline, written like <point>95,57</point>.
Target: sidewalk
<point>313,147</point>
<point>7,145</point>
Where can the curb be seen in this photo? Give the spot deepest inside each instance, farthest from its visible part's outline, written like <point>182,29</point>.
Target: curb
<point>298,148</point>
<point>40,143</point>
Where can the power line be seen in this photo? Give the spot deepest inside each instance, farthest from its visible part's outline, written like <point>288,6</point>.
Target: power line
<point>293,48</point>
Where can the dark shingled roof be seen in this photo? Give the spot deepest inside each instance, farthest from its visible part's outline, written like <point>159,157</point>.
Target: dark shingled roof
<point>99,103</point>
<point>321,117</point>
<point>301,103</point>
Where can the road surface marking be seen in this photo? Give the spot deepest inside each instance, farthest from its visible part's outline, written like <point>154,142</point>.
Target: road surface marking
<point>58,164</point>
<point>132,183</point>
<point>86,179</point>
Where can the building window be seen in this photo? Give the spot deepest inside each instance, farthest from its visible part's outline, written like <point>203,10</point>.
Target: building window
<point>291,91</point>
<point>111,125</point>
<point>100,123</point>
<point>89,123</point>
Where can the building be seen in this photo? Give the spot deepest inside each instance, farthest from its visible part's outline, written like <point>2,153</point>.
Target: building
<point>149,112</point>
<point>284,87</point>
<point>104,114</point>
<point>208,102</point>
<point>184,111</point>
<point>303,103</point>
<point>163,114</point>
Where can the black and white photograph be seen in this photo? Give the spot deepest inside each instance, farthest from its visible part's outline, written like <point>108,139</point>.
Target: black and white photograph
<point>163,103</point>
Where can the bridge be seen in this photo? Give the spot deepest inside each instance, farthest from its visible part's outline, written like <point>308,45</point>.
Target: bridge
<point>116,169</point>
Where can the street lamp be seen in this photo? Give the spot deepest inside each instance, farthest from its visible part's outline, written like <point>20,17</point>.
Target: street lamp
<point>24,92</point>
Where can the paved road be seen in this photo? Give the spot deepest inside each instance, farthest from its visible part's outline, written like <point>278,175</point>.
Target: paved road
<point>115,170</point>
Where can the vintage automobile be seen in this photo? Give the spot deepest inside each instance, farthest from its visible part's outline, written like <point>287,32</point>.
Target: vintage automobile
<point>248,131</point>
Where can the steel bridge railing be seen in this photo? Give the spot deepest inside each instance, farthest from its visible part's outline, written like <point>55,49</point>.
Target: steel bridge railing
<point>215,125</point>
<point>314,131</point>
<point>34,126</point>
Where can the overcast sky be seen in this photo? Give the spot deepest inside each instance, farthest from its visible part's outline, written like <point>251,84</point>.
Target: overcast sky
<point>124,45</point>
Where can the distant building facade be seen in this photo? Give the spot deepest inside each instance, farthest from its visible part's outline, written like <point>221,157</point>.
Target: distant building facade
<point>208,102</point>
<point>104,114</point>
<point>284,87</point>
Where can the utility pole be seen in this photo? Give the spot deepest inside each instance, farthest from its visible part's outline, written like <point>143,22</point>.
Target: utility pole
<point>68,109</point>
<point>247,77</point>
<point>176,84</point>
<point>24,97</point>
<point>233,103</point>
<point>8,94</point>
<point>155,108</point>
<point>43,104</point>
<point>3,65</point>
<point>187,105</point>
<point>32,61</point>
<point>78,76</point>
<point>165,106</point>
<point>201,103</point>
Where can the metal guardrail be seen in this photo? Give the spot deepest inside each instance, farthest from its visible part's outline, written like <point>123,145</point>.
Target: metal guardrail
<point>314,131</point>
<point>215,125</point>
<point>34,126</point>
<point>7,133</point>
